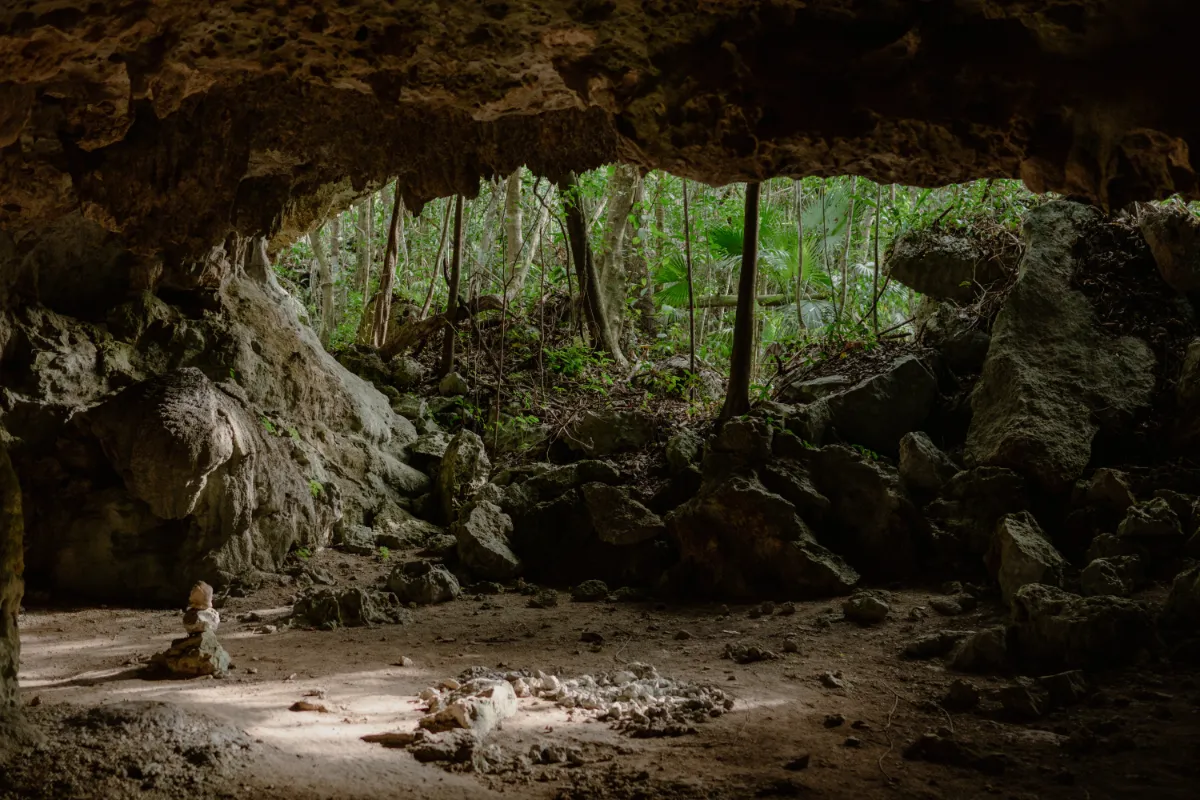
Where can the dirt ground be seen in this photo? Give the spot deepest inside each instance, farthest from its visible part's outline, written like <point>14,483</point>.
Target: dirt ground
<point>1137,736</point>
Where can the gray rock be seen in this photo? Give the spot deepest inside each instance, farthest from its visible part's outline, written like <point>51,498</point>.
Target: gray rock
<point>429,448</point>
<point>1174,239</point>
<point>810,391</point>
<point>1184,506</point>
<point>590,591</point>
<point>193,657</point>
<point>328,609</point>
<point>747,439</point>
<point>1055,629</point>
<point>545,598</point>
<point>1109,489</point>
<point>792,481</point>
<point>1117,575</point>
<point>199,620</point>
<point>961,696</point>
<point>1182,609</point>
<point>602,433</point>
<point>618,518</point>
<point>482,534</point>
<point>1052,377</point>
<point>1109,545</point>
<point>423,583</point>
<point>944,265</point>
<point>956,335</point>
<point>973,502</point>
<point>738,540</point>
<point>1152,519</point>
<point>985,651</point>
<point>358,540</point>
<point>1021,554</point>
<point>934,645</point>
<point>1187,396</point>
<point>406,372</point>
<point>683,450</point>
<point>454,385</point>
<point>464,471</point>
<point>876,521</point>
<point>865,608</point>
<point>410,406</point>
<point>923,467</point>
<point>443,546</point>
<point>396,529</point>
<point>1024,701</point>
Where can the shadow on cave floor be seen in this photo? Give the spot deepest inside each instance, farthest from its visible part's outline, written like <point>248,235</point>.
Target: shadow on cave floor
<point>1149,722</point>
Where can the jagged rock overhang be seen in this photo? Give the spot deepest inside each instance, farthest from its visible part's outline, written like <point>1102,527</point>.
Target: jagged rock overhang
<point>177,123</point>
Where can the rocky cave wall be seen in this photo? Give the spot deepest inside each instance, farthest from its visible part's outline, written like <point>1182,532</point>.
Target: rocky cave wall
<point>151,375</point>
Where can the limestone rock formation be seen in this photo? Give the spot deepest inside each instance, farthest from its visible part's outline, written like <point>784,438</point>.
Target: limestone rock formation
<point>327,609</point>
<point>482,535</point>
<point>974,501</point>
<point>923,467</point>
<point>955,334</point>
<point>618,518</point>
<point>945,266</point>
<point>1174,239</point>
<point>423,583</point>
<point>597,434</point>
<point>879,410</point>
<point>1051,377</point>
<point>1053,629</point>
<point>740,541</point>
<point>1021,554</point>
<point>464,471</point>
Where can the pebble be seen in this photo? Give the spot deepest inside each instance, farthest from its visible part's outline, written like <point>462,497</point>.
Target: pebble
<point>834,720</point>
<point>787,609</point>
<point>798,763</point>
<point>682,635</point>
<point>852,741</point>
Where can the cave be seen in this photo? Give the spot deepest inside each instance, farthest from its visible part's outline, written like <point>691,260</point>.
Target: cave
<point>798,620</point>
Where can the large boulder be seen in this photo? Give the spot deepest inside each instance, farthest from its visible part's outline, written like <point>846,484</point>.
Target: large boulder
<point>973,502</point>
<point>1182,609</point>
<point>602,433</point>
<point>618,518</point>
<point>877,411</point>
<point>482,534</point>
<point>1052,376</point>
<point>740,541</point>
<point>197,442</point>
<point>464,471</point>
<point>955,333</point>
<point>923,467</point>
<point>1053,629</point>
<point>1174,239</point>
<point>1021,554</point>
<point>945,266</point>
<point>423,583</point>
<point>328,609</point>
<point>1187,396</point>
<point>871,520</point>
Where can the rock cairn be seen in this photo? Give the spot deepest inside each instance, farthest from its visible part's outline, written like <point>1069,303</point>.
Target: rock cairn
<point>200,652</point>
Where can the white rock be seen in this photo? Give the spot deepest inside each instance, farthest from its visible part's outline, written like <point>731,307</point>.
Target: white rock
<point>198,620</point>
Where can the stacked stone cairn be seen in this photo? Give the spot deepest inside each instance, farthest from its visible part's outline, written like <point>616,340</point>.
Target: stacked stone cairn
<point>200,652</point>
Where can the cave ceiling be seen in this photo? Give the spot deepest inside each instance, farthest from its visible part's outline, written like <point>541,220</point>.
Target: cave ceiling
<point>177,122</point>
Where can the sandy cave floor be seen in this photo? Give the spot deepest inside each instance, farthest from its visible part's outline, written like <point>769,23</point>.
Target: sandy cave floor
<point>1142,727</point>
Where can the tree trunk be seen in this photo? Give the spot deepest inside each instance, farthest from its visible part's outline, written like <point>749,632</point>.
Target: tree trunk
<point>513,244</point>
<point>799,253</point>
<point>639,263</point>
<point>452,299</point>
<point>436,271</point>
<point>324,288</point>
<point>479,273</point>
<point>383,305</point>
<point>603,334</point>
<point>846,253</point>
<point>875,272</point>
<point>737,397</point>
<point>362,276</point>
<point>687,255</point>
<point>611,272</point>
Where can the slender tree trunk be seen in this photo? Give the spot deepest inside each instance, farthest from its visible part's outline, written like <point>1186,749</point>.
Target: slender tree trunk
<point>687,255</point>
<point>610,266</point>
<point>436,272</point>
<point>479,273</point>
<point>530,246</point>
<point>362,276</point>
<point>639,262</point>
<point>383,302</point>
<point>846,254</point>
<point>875,271</point>
<point>603,333</point>
<point>513,244</point>
<point>799,253</point>
<point>452,299</point>
<point>737,397</point>
<point>324,288</point>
